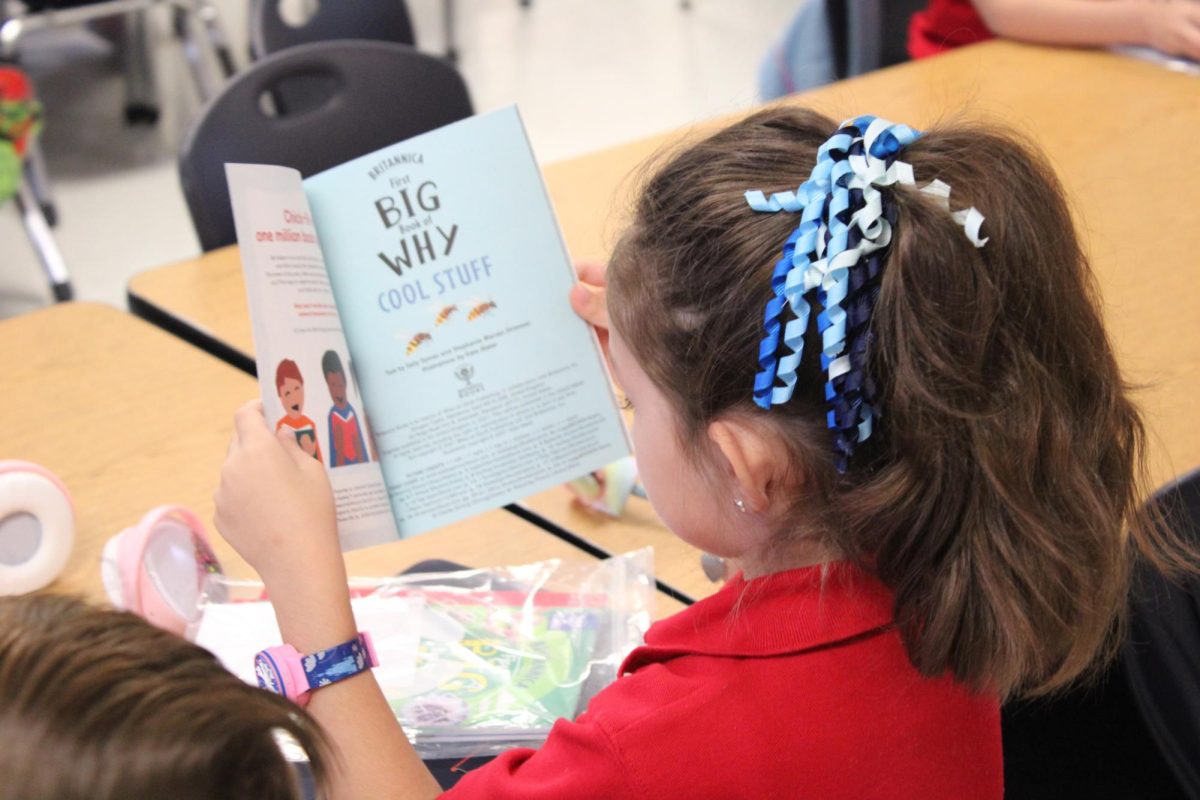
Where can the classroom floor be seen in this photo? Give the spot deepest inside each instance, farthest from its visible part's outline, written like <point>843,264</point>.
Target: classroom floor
<point>585,74</point>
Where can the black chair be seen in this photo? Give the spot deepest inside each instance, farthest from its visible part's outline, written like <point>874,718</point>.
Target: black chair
<point>379,20</point>
<point>828,40</point>
<point>385,93</point>
<point>1162,652</point>
<point>1135,733</point>
<point>19,19</point>
<point>1087,743</point>
<point>376,20</point>
<point>869,34</point>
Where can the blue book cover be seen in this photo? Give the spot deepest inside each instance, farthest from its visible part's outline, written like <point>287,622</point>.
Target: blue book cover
<point>441,292</point>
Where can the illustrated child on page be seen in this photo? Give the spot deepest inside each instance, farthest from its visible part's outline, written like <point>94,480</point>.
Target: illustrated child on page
<point>346,444</point>
<point>289,383</point>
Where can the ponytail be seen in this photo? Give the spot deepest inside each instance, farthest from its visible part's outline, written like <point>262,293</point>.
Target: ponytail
<point>999,496</point>
<point>1015,454</point>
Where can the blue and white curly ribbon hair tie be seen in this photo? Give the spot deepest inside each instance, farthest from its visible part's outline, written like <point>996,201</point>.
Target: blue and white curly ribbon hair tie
<point>845,224</point>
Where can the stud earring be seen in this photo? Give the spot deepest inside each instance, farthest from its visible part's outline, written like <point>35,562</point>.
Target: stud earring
<point>737,501</point>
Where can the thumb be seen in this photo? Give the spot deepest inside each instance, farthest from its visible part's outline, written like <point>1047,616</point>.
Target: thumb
<point>592,272</point>
<point>287,438</point>
<point>590,303</point>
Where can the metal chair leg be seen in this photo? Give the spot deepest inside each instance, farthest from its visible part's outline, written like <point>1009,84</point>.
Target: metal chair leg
<point>187,13</point>
<point>39,183</point>
<point>451,33</point>
<point>216,37</point>
<point>10,32</point>
<point>44,244</point>
<point>192,52</point>
<point>141,91</point>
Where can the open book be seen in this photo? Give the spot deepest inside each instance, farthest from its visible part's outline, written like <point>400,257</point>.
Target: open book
<point>412,328</point>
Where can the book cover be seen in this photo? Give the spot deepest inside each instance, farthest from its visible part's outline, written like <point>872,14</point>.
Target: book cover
<point>426,286</point>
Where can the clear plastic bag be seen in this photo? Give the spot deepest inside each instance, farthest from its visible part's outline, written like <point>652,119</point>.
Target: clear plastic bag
<point>472,662</point>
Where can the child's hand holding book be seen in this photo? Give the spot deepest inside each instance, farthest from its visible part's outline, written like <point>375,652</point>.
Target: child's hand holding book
<point>274,503</point>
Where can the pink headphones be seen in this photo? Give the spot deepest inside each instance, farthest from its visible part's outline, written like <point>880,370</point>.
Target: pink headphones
<point>157,567</point>
<point>37,527</point>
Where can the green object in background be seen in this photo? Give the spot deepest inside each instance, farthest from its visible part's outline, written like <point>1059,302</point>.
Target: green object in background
<point>20,122</point>
<point>19,118</point>
<point>10,170</point>
<point>515,670</point>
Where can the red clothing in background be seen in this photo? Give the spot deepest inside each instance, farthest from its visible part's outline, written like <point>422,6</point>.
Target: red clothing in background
<point>945,24</point>
<point>784,686</point>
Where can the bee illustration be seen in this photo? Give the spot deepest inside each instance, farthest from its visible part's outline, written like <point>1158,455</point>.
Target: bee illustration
<point>479,310</point>
<point>417,341</point>
<point>444,314</point>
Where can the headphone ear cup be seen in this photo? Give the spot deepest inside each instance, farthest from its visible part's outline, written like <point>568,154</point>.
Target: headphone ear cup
<point>129,549</point>
<point>38,531</point>
<point>148,559</point>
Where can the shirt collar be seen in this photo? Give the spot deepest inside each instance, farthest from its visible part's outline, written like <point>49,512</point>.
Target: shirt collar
<point>777,614</point>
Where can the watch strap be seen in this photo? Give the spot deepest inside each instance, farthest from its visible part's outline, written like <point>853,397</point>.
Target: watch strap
<point>339,662</point>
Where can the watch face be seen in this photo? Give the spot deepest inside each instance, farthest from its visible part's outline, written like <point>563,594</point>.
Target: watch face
<point>268,675</point>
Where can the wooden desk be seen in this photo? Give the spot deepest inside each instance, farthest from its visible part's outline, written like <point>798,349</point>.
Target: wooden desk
<point>1117,130</point>
<point>130,418</point>
<point>211,289</point>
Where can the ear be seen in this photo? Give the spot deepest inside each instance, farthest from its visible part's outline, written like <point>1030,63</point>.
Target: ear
<point>751,460</point>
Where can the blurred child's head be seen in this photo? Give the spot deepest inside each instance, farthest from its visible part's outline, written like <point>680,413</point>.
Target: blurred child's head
<point>99,704</point>
<point>994,492</point>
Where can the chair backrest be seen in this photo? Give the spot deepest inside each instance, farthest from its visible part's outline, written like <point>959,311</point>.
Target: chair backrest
<point>1161,654</point>
<point>869,34</point>
<point>1136,731</point>
<point>384,93</point>
<point>382,20</point>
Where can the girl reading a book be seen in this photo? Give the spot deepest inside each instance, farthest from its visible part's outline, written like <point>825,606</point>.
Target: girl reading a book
<point>887,398</point>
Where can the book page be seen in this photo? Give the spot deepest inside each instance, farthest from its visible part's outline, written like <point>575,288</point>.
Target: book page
<point>452,280</point>
<point>305,369</point>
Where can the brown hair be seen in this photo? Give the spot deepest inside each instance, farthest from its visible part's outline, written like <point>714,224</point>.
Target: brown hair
<point>287,369</point>
<point>99,704</point>
<point>994,497</point>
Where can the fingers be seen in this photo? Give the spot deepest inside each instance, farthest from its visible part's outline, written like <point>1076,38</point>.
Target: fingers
<point>591,304</point>
<point>592,272</point>
<point>287,438</point>
<point>1180,34</point>
<point>1191,36</point>
<point>249,421</point>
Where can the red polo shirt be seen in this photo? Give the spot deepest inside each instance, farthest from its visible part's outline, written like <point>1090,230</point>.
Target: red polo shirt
<point>789,685</point>
<point>943,25</point>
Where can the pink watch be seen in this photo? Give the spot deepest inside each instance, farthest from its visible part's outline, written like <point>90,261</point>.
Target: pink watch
<point>284,671</point>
